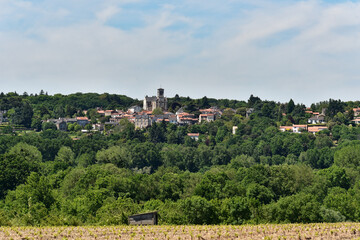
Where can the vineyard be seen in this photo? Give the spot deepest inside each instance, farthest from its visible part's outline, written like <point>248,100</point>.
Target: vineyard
<point>195,232</point>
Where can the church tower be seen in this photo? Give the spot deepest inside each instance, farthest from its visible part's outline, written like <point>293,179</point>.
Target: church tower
<point>160,92</point>
<point>150,103</point>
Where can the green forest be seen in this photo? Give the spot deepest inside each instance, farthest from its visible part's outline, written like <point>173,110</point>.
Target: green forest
<point>257,175</point>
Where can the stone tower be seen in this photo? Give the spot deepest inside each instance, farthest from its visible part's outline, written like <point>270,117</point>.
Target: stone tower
<point>150,103</point>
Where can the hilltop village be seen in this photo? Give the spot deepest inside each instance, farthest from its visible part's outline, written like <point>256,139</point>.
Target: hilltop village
<point>155,110</point>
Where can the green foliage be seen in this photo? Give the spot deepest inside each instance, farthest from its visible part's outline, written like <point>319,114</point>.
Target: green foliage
<point>198,210</point>
<point>300,208</point>
<point>17,164</point>
<point>157,111</point>
<point>257,175</point>
<point>348,156</point>
<point>48,125</point>
<point>116,155</point>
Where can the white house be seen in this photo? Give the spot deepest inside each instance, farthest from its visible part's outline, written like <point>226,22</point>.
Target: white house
<point>356,120</point>
<point>299,128</point>
<point>135,109</point>
<point>194,136</point>
<point>317,119</point>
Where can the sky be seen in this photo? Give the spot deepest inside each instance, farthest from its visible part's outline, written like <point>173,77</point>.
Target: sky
<point>275,49</point>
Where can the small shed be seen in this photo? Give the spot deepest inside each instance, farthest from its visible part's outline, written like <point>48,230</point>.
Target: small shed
<point>150,218</point>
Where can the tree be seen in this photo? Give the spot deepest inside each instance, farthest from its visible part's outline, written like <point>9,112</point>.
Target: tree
<point>334,107</point>
<point>348,156</point>
<point>17,164</point>
<point>157,133</point>
<point>157,111</point>
<point>64,158</point>
<point>340,200</point>
<point>30,203</point>
<point>290,106</point>
<point>260,193</point>
<point>235,210</point>
<point>299,208</point>
<point>204,102</point>
<point>253,100</point>
<point>36,124</point>
<point>23,115</point>
<point>228,114</point>
<point>48,125</point>
<point>198,210</point>
<point>88,127</point>
<point>116,155</point>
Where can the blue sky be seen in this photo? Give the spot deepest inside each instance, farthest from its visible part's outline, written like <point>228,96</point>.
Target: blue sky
<point>306,50</point>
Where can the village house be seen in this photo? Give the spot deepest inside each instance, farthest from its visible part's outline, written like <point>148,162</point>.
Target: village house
<point>131,119</point>
<point>299,128</point>
<point>213,110</point>
<point>186,118</point>
<point>312,113</point>
<point>194,136</point>
<point>316,129</point>
<point>109,112</point>
<point>134,109</point>
<point>98,127</point>
<point>356,120</point>
<point>356,111</point>
<point>317,119</point>
<point>142,121</point>
<point>70,120</point>
<point>117,113</point>
<point>294,128</point>
<point>208,117</point>
<point>115,119</point>
<point>82,121</point>
<point>100,112</point>
<point>286,128</point>
<point>60,123</point>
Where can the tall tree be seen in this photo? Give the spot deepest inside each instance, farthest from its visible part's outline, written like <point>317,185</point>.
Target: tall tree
<point>290,106</point>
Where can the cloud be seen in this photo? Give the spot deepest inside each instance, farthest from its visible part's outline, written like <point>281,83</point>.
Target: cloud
<point>107,13</point>
<point>305,50</point>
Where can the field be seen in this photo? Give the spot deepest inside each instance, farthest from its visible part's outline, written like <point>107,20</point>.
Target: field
<point>286,231</point>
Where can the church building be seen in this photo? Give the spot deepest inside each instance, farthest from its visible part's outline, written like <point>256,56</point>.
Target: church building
<point>159,101</point>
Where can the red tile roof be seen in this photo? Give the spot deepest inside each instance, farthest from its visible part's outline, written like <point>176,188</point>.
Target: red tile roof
<point>193,134</point>
<point>317,129</point>
<point>286,127</point>
<point>300,126</point>
<point>82,118</point>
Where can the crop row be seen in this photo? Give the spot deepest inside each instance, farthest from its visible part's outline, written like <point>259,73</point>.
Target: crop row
<point>267,231</point>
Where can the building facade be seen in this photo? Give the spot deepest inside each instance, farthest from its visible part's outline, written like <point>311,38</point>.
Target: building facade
<point>142,121</point>
<point>159,101</point>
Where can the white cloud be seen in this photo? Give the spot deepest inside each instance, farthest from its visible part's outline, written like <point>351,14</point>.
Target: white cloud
<point>107,13</point>
<point>244,53</point>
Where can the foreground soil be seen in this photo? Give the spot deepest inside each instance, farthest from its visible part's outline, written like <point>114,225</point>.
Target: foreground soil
<point>267,232</point>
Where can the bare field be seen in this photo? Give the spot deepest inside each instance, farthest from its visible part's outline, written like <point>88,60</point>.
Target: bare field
<point>267,232</point>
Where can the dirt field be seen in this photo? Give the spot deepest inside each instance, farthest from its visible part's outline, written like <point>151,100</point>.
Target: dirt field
<point>267,232</point>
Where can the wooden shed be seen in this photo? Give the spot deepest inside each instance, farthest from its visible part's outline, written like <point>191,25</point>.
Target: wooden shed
<point>150,218</point>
